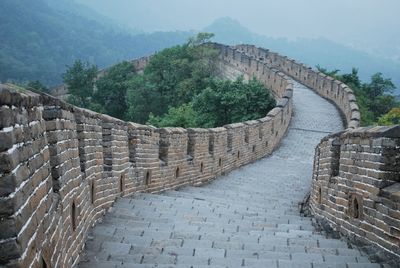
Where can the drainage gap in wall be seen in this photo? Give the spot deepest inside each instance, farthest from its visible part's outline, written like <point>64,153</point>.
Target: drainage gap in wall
<point>356,212</point>
<point>73,216</point>
<point>246,135</point>
<point>335,159</point>
<point>201,167</point>
<point>211,144</point>
<point>254,149</point>
<point>121,183</point>
<point>266,144</point>
<point>147,179</point>
<point>92,193</point>
<point>319,197</point>
<point>355,209</point>
<point>81,158</point>
<point>220,162</point>
<point>43,263</point>
<point>177,173</point>
<point>238,155</point>
<point>229,141</point>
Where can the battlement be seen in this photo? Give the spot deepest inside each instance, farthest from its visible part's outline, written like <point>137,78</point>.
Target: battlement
<point>356,187</point>
<point>326,86</point>
<point>62,167</point>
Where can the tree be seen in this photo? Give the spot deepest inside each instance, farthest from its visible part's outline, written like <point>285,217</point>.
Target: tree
<point>37,85</point>
<point>172,78</point>
<point>391,118</point>
<point>200,39</point>
<point>379,86</point>
<point>80,79</point>
<point>111,89</point>
<point>374,99</point>
<point>226,102</point>
<point>333,73</point>
<point>142,99</point>
<point>182,116</point>
<point>177,88</point>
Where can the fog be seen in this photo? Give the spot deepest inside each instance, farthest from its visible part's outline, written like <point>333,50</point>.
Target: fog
<point>368,25</point>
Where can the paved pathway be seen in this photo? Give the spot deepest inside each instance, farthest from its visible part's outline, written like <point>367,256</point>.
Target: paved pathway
<point>248,218</point>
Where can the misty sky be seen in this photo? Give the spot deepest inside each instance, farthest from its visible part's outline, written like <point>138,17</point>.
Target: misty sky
<point>368,24</point>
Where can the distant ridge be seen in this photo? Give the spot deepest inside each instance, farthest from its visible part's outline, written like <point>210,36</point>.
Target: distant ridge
<point>326,53</point>
<point>39,40</point>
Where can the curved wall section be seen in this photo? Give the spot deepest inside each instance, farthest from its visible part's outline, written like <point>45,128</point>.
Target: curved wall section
<point>356,177</point>
<point>326,86</point>
<point>62,167</point>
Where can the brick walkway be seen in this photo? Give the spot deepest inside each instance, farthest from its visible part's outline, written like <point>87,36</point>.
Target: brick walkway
<point>248,218</point>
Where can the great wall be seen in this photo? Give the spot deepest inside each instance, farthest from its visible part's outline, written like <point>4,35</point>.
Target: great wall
<point>63,168</point>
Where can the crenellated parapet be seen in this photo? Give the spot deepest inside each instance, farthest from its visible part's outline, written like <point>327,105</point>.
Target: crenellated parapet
<point>62,167</point>
<point>329,88</point>
<point>356,188</point>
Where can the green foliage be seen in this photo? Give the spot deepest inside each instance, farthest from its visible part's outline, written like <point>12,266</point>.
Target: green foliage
<point>177,88</point>
<point>80,79</point>
<point>112,88</point>
<point>223,102</point>
<point>333,73</point>
<point>142,99</point>
<point>200,39</point>
<point>374,99</point>
<point>182,116</point>
<point>172,78</point>
<point>391,118</point>
<point>226,102</point>
<point>37,85</point>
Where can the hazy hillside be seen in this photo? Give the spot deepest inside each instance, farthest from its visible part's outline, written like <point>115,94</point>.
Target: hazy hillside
<point>324,52</point>
<point>38,40</point>
<point>75,8</point>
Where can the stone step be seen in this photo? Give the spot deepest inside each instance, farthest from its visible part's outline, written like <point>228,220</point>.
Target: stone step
<point>215,261</point>
<point>253,202</point>
<point>100,264</point>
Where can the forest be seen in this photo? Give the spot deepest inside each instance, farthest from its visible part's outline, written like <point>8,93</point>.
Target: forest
<point>39,40</point>
<point>179,87</point>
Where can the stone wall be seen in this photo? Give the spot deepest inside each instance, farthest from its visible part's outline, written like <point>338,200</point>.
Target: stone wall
<point>356,178</point>
<point>356,187</point>
<point>62,167</point>
<point>329,88</point>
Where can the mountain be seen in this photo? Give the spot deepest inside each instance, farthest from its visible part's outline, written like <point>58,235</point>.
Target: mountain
<point>71,6</point>
<point>39,38</point>
<point>323,52</point>
<point>74,7</point>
